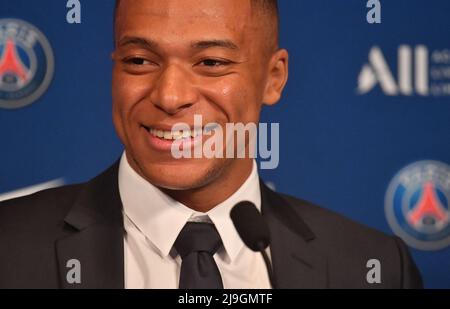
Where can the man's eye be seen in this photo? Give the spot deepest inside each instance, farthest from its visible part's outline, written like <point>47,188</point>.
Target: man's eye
<point>213,63</point>
<point>137,61</point>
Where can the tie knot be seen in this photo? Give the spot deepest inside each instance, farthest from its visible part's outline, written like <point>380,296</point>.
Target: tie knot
<point>198,237</point>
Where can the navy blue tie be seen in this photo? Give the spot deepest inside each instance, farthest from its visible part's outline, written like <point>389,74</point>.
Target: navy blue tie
<point>196,244</point>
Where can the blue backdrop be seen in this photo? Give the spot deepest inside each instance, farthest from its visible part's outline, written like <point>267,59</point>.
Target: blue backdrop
<point>344,135</point>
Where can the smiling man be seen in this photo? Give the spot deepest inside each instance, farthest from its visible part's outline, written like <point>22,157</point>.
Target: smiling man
<point>223,66</point>
<point>154,221</point>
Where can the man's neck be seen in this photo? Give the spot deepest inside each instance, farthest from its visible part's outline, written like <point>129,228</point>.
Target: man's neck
<point>219,190</point>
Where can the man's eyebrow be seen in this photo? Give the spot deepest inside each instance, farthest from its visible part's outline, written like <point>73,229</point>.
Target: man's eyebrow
<point>214,43</point>
<point>146,43</point>
<point>204,44</point>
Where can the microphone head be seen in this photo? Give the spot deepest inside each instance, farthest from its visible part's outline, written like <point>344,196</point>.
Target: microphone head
<point>251,226</point>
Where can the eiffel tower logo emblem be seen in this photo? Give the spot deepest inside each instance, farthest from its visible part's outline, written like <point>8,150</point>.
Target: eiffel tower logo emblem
<point>12,69</point>
<point>429,209</point>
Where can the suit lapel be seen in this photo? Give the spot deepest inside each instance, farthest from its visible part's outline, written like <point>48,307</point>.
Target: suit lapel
<point>95,228</point>
<point>296,264</point>
<point>96,232</point>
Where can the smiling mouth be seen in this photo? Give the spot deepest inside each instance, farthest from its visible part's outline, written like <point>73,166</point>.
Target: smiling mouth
<point>178,135</point>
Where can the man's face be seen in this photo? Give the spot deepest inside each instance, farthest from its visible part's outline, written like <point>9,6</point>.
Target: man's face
<point>178,58</point>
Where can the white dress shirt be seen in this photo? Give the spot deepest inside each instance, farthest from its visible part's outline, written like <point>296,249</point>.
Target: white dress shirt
<point>153,220</point>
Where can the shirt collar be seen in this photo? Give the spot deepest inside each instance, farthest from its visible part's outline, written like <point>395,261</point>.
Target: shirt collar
<point>151,210</point>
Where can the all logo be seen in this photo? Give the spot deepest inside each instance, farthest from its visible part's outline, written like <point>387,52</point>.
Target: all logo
<point>417,205</point>
<point>26,63</point>
<point>419,72</point>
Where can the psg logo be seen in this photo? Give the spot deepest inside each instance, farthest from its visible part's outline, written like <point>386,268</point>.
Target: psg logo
<point>26,63</point>
<point>417,205</point>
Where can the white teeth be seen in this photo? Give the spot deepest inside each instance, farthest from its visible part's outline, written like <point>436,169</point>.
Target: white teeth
<point>177,135</point>
<point>157,133</point>
<point>168,135</point>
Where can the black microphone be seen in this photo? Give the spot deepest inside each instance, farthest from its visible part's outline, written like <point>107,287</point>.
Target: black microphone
<point>253,230</point>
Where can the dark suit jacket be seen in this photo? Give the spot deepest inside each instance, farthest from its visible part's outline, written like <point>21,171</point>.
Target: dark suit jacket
<point>310,247</point>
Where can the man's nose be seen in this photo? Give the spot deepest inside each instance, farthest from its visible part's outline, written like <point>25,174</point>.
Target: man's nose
<point>174,90</point>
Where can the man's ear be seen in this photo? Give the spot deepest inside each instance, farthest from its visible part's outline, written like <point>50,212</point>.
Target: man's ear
<point>277,77</point>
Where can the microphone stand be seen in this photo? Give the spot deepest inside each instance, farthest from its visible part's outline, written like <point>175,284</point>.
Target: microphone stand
<point>268,266</point>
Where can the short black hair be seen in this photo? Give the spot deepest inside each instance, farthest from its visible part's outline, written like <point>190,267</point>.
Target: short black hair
<point>269,6</point>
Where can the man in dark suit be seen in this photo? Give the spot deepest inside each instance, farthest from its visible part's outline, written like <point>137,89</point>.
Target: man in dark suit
<point>154,221</point>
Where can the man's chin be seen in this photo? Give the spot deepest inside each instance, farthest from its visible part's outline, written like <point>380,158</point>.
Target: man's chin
<point>181,177</point>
